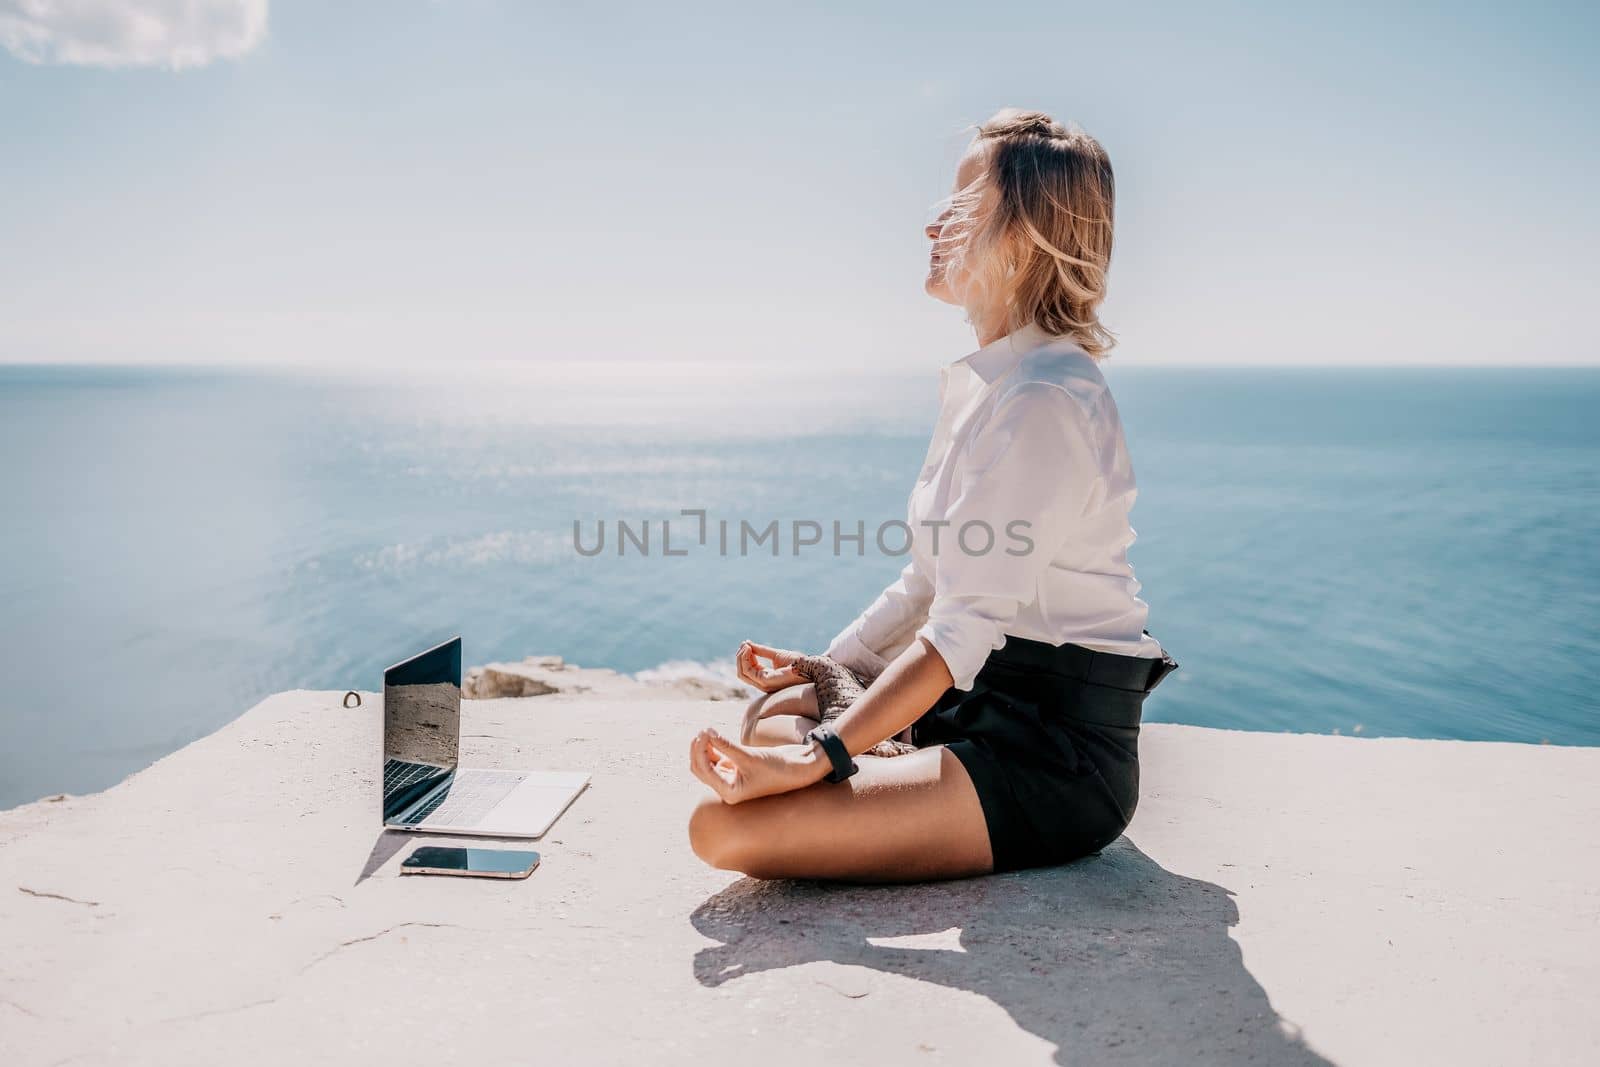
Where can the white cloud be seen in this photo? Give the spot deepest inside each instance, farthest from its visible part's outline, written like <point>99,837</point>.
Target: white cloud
<point>131,33</point>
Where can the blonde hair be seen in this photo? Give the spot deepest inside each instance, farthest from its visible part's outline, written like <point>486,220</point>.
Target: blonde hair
<point>1041,250</point>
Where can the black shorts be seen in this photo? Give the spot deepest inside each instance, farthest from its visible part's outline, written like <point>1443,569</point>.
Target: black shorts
<point>1049,735</point>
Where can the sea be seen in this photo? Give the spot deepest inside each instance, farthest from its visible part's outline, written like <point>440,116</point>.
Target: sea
<point>1375,551</point>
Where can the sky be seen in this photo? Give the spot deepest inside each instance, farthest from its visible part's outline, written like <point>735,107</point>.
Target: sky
<point>370,183</point>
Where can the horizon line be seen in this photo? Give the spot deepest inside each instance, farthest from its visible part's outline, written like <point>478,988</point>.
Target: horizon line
<point>471,365</point>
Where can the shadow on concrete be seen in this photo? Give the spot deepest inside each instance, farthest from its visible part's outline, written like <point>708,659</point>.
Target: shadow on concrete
<point>383,849</point>
<point>1111,959</point>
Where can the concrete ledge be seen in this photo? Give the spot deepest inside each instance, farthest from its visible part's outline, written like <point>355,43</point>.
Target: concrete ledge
<point>1280,899</point>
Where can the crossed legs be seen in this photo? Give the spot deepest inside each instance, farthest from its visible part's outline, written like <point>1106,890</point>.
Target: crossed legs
<point>911,818</point>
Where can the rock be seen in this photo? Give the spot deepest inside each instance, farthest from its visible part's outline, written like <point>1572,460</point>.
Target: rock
<point>1290,900</point>
<point>495,680</point>
<point>701,689</point>
<point>537,676</point>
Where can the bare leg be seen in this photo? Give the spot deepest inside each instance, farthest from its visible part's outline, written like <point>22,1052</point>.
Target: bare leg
<point>781,718</point>
<point>786,716</point>
<point>782,730</point>
<point>912,818</point>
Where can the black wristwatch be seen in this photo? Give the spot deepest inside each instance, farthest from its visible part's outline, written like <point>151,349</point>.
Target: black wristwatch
<point>838,755</point>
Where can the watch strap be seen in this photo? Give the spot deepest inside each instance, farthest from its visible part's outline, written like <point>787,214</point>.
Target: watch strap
<point>838,755</point>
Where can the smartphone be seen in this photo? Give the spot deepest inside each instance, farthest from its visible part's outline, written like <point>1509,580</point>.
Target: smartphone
<point>470,862</point>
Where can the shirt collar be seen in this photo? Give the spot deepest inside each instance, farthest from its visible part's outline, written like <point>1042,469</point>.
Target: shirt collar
<point>999,356</point>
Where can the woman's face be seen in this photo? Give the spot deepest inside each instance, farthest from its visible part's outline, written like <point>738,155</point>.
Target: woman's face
<point>944,230</point>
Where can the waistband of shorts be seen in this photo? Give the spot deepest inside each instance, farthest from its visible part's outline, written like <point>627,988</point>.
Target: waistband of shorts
<point>1137,674</point>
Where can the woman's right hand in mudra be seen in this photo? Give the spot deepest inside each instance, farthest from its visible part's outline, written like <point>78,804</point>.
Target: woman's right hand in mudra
<point>769,679</point>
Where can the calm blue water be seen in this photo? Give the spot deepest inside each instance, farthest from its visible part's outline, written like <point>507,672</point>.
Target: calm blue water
<point>1389,552</point>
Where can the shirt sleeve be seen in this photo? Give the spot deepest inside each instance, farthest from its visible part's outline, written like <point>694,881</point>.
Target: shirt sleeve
<point>1035,462</point>
<point>894,615</point>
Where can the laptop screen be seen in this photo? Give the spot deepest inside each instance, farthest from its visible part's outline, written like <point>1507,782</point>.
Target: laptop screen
<point>421,725</point>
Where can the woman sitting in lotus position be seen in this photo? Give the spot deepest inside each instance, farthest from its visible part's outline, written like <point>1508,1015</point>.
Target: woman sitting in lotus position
<point>1009,659</point>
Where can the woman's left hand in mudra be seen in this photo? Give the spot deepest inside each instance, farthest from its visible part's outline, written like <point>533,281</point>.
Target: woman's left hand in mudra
<point>738,772</point>
<point>780,675</point>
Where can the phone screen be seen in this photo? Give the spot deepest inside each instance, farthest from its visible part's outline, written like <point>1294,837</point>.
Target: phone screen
<point>469,861</point>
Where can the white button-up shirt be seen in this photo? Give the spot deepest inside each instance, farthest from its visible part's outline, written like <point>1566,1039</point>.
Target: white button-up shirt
<point>1029,448</point>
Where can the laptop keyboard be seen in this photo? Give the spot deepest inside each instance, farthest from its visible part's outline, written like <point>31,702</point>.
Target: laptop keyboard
<point>397,774</point>
<point>473,794</point>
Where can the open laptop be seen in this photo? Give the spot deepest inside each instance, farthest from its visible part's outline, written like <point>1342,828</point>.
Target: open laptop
<point>425,789</point>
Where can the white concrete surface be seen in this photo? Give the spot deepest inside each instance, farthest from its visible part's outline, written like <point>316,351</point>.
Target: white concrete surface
<point>1281,899</point>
